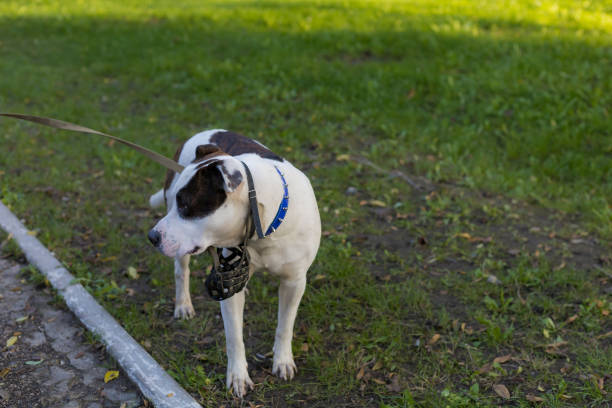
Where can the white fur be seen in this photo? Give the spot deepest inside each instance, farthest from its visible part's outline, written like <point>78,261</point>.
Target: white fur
<point>286,253</point>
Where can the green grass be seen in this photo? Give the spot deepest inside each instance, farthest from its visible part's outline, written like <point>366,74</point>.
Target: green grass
<point>507,98</point>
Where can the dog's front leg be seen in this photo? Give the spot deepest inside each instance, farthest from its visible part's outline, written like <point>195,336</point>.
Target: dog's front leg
<point>183,309</point>
<point>237,375</point>
<point>289,295</point>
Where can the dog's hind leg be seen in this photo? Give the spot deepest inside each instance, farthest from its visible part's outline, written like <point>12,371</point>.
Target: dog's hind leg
<point>183,309</point>
<point>289,295</point>
<point>237,375</point>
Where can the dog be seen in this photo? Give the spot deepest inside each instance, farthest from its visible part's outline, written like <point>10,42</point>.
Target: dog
<point>208,206</point>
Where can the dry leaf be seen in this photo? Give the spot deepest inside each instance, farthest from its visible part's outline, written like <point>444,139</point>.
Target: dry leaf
<point>11,341</point>
<point>502,391</point>
<point>377,366</point>
<point>377,203</point>
<point>571,318</point>
<point>343,157</point>
<point>379,381</point>
<point>170,395</point>
<point>132,273</point>
<point>110,375</point>
<point>502,359</point>
<point>605,335</point>
<point>434,339</point>
<point>4,372</point>
<point>554,348</point>
<point>533,398</point>
<point>360,373</point>
<point>304,347</point>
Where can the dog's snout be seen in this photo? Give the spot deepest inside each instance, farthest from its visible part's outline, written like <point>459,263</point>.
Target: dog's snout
<point>154,237</point>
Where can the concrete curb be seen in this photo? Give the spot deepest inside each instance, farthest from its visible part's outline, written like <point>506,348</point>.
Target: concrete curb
<point>154,383</point>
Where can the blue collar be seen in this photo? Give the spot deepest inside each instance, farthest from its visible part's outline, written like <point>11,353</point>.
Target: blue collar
<point>282,208</point>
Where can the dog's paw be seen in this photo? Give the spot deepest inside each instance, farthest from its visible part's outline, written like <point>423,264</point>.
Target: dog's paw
<point>239,382</point>
<point>185,311</point>
<point>284,369</point>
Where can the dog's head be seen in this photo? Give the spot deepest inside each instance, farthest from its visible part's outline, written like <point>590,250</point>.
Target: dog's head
<point>204,205</point>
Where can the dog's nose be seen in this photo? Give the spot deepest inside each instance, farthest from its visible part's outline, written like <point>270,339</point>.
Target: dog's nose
<point>154,237</point>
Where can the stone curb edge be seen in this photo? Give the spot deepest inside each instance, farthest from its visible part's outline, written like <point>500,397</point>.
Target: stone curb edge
<point>154,383</point>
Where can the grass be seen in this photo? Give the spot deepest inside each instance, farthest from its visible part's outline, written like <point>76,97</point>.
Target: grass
<point>498,110</point>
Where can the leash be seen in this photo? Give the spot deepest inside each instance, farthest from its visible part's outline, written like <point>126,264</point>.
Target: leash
<point>230,273</point>
<point>60,124</point>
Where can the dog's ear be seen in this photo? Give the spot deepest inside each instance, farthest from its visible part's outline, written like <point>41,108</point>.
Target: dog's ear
<point>205,150</point>
<point>232,177</point>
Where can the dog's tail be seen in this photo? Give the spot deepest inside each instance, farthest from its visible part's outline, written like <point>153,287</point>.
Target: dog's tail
<point>157,199</point>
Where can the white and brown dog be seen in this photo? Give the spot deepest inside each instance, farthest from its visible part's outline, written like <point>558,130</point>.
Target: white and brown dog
<point>208,205</point>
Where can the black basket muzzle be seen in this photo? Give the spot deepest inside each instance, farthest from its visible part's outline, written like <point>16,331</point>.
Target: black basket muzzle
<point>229,274</point>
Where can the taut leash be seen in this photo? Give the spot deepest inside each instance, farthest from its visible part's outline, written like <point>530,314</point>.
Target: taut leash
<point>60,124</point>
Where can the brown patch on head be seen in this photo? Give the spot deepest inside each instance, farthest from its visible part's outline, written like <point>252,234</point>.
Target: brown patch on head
<point>170,173</point>
<point>236,144</point>
<point>203,194</point>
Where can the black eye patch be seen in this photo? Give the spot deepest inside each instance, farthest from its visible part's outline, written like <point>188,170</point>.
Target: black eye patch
<point>202,195</point>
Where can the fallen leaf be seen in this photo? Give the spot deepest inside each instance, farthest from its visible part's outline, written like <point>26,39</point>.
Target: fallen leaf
<point>605,335</point>
<point>566,397</point>
<point>11,341</point>
<point>533,398</point>
<point>376,203</point>
<point>360,373</point>
<point>110,375</point>
<point>557,344</point>
<point>170,395</point>
<point>343,157</point>
<point>379,381</point>
<point>540,388</point>
<point>132,273</point>
<point>434,339</point>
<point>502,359</point>
<point>304,347</point>
<point>571,318</point>
<point>4,372</point>
<point>502,391</point>
<point>377,366</point>
<point>21,319</point>
<point>33,363</point>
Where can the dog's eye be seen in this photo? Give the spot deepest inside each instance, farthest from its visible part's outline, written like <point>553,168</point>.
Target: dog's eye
<point>181,203</point>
